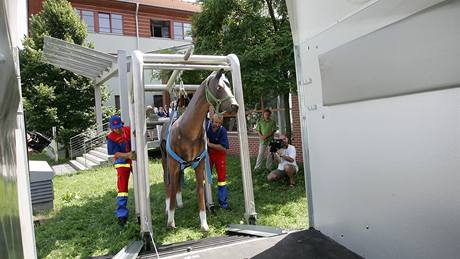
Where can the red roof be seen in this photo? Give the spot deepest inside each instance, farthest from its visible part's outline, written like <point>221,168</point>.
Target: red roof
<point>170,4</point>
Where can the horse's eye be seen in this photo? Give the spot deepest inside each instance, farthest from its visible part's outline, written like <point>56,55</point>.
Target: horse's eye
<point>219,87</point>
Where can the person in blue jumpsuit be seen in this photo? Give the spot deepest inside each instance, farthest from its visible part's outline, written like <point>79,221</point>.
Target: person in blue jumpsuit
<point>119,145</point>
<point>217,149</point>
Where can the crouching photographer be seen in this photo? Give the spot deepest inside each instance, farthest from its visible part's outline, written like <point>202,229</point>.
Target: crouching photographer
<point>284,154</point>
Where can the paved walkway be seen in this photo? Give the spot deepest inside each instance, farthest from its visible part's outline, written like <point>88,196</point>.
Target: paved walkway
<point>63,169</point>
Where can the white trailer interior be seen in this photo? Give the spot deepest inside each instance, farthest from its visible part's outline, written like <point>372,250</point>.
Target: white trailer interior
<point>378,90</point>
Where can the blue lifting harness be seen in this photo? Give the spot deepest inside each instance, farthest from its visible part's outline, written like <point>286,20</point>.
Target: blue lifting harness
<point>184,164</point>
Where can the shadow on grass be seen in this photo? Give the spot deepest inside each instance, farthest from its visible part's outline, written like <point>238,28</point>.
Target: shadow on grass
<point>277,204</point>
<point>87,226</point>
<point>89,229</point>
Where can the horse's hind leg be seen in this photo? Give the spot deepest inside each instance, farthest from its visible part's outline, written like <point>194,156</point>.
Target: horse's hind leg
<point>173,183</point>
<point>200,192</point>
<point>180,204</point>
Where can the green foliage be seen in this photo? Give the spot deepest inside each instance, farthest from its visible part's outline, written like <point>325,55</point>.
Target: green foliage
<point>262,42</point>
<point>83,222</point>
<point>52,96</point>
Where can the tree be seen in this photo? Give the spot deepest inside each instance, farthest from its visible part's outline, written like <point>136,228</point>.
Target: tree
<point>259,33</point>
<point>53,96</point>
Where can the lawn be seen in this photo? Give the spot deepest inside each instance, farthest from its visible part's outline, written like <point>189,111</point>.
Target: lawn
<point>83,222</point>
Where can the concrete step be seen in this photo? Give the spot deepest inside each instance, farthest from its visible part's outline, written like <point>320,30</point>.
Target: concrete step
<point>86,162</point>
<point>93,159</point>
<point>101,149</point>
<point>77,165</point>
<point>104,146</point>
<point>63,169</point>
<point>101,155</point>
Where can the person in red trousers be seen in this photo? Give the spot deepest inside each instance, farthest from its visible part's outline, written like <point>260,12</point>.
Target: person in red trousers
<point>119,145</point>
<point>217,149</point>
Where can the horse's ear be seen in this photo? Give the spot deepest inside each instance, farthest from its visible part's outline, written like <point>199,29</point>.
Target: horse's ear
<point>219,73</point>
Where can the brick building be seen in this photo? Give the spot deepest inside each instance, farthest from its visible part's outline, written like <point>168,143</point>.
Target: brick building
<point>160,24</point>
<point>147,25</point>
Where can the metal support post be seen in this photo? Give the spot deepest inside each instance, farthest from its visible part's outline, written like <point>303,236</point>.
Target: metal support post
<point>123,81</point>
<point>208,193</point>
<point>141,147</point>
<point>55,145</point>
<point>23,181</point>
<point>130,122</point>
<point>280,114</point>
<point>249,205</point>
<point>98,106</point>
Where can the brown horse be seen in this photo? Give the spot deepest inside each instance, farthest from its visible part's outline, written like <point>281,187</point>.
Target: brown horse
<point>187,141</point>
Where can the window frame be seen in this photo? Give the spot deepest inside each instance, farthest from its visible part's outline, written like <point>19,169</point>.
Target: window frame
<point>183,35</point>
<point>163,21</point>
<point>110,18</point>
<point>80,11</point>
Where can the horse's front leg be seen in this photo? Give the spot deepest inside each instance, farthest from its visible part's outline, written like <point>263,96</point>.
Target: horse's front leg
<point>200,192</point>
<point>173,183</point>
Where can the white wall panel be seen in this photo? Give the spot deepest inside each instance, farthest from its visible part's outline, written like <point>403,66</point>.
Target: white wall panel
<point>398,59</point>
<point>384,172</point>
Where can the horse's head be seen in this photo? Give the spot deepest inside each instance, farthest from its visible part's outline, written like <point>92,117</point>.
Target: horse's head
<point>218,93</point>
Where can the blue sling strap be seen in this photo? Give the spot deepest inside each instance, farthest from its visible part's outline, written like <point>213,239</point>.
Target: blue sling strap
<point>184,164</point>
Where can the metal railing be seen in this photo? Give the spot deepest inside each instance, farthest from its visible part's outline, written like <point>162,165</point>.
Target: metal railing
<point>88,140</point>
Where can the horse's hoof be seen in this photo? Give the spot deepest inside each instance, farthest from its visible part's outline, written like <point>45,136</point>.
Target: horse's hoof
<point>180,206</point>
<point>171,225</point>
<point>205,228</point>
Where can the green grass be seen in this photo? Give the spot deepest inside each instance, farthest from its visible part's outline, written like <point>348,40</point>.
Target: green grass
<point>83,221</point>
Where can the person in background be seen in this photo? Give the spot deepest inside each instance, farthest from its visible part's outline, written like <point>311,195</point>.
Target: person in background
<point>217,149</point>
<point>119,145</point>
<point>265,128</point>
<point>287,166</point>
<point>161,113</point>
<point>211,112</point>
<point>167,110</point>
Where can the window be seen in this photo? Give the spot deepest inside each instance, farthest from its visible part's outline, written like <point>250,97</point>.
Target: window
<point>178,31</point>
<point>117,24</point>
<point>110,23</point>
<point>87,17</point>
<point>182,31</point>
<point>187,31</point>
<point>104,22</point>
<point>160,29</point>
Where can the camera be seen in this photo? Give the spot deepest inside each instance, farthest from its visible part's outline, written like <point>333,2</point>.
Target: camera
<point>275,145</point>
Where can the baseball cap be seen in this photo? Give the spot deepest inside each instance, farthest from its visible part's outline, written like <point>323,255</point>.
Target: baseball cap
<point>115,122</point>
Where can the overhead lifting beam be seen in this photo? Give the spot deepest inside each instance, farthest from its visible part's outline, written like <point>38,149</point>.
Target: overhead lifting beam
<point>186,66</point>
<point>161,87</point>
<point>179,59</point>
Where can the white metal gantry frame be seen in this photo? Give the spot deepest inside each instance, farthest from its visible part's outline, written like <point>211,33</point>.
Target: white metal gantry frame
<point>136,89</point>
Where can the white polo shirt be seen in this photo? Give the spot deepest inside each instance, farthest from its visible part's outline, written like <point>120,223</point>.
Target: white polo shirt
<point>289,151</point>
